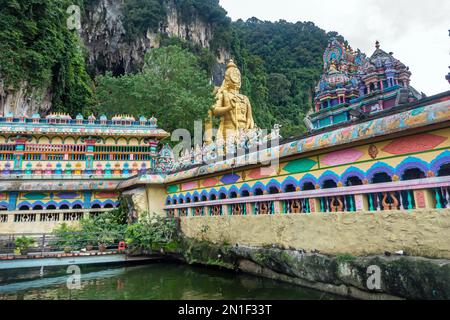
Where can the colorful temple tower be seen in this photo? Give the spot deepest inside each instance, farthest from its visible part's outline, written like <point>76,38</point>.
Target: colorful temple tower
<point>354,86</point>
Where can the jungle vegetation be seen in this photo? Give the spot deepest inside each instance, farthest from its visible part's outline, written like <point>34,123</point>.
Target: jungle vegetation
<point>281,62</point>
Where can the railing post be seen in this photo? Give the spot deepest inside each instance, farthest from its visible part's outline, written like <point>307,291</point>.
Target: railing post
<point>278,207</point>
<point>410,202</point>
<point>438,198</point>
<point>446,192</point>
<point>424,199</point>
<point>361,202</point>
<point>314,205</point>
<point>225,210</point>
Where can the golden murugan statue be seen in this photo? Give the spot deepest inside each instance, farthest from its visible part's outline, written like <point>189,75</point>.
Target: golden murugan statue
<point>233,108</point>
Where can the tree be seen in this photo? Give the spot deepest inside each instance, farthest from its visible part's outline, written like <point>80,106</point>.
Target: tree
<point>37,49</point>
<point>279,89</point>
<point>172,87</point>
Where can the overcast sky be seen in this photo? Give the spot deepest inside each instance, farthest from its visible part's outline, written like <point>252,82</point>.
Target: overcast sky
<point>415,30</point>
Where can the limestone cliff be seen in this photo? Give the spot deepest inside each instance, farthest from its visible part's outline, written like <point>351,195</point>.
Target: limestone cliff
<point>25,100</point>
<point>110,49</point>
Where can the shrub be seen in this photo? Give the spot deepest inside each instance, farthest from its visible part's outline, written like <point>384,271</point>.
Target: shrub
<point>24,243</point>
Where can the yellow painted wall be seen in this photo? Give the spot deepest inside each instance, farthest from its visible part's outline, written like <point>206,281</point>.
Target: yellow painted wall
<point>11,227</point>
<point>420,232</point>
<point>149,199</point>
<point>364,163</point>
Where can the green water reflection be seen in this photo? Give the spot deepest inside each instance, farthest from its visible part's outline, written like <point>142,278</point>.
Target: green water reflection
<point>158,282</point>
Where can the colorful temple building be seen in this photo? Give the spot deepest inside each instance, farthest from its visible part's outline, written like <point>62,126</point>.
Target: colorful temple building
<point>73,166</point>
<point>354,85</point>
<point>376,145</point>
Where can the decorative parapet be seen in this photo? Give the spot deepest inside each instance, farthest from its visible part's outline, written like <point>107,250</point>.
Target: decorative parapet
<point>420,184</point>
<point>434,113</point>
<point>64,124</point>
<point>75,183</point>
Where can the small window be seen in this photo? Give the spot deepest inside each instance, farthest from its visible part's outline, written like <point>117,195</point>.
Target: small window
<point>245,193</point>
<point>381,177</point>
<point>444,170</point>
<point>413,174</point>
<point>259,192</point>
<point>308,186</point>
<point>290,188</point>
<point>353,181</point>
<point>273,190</point>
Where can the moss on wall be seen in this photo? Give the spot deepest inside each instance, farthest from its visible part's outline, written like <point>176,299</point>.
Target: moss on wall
<point>420,232</point>
<point>401,277</point>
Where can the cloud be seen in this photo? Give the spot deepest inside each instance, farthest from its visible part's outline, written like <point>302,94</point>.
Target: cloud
<point>416,31</point>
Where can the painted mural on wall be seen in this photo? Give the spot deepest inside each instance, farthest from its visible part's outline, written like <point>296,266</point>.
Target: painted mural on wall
<point>426,152</point>
<point>423,116</point>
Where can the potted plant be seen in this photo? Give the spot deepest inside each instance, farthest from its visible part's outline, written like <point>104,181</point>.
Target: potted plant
<point>23,244</point>
<point>67,249</point>
<point>102,247</point>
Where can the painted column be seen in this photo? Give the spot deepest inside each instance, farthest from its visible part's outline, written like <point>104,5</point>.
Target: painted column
<point>87,197</point>
<point>278,207</point>
<point>424,199</point>
<point>153,150</point>
<point>13,196</point>
<point>19,153</point>
<point>90,144</point>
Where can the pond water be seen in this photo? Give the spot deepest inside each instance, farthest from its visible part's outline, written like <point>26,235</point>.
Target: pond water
<point>161,281</point>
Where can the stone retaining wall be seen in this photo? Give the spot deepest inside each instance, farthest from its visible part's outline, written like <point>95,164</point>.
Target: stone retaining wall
<point>423,233</point>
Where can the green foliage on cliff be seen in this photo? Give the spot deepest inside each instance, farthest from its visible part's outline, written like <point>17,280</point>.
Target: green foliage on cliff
<point>37,48</point>
<point>171,86</point>
<point>142,15</point>
<point>212,13</point>
<point>281,62</point>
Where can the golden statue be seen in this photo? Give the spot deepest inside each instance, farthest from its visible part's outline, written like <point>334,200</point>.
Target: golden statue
<point>233,108</point>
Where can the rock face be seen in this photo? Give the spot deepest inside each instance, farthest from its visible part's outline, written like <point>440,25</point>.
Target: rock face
<point>109,48</point>
<point>24,101</point>
<point>104,36</point>
<point>374,277</point>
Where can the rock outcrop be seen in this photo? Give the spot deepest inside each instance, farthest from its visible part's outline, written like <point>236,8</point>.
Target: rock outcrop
<point>109,48</point>
<point>24,101</point>
<point>400,277</point>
